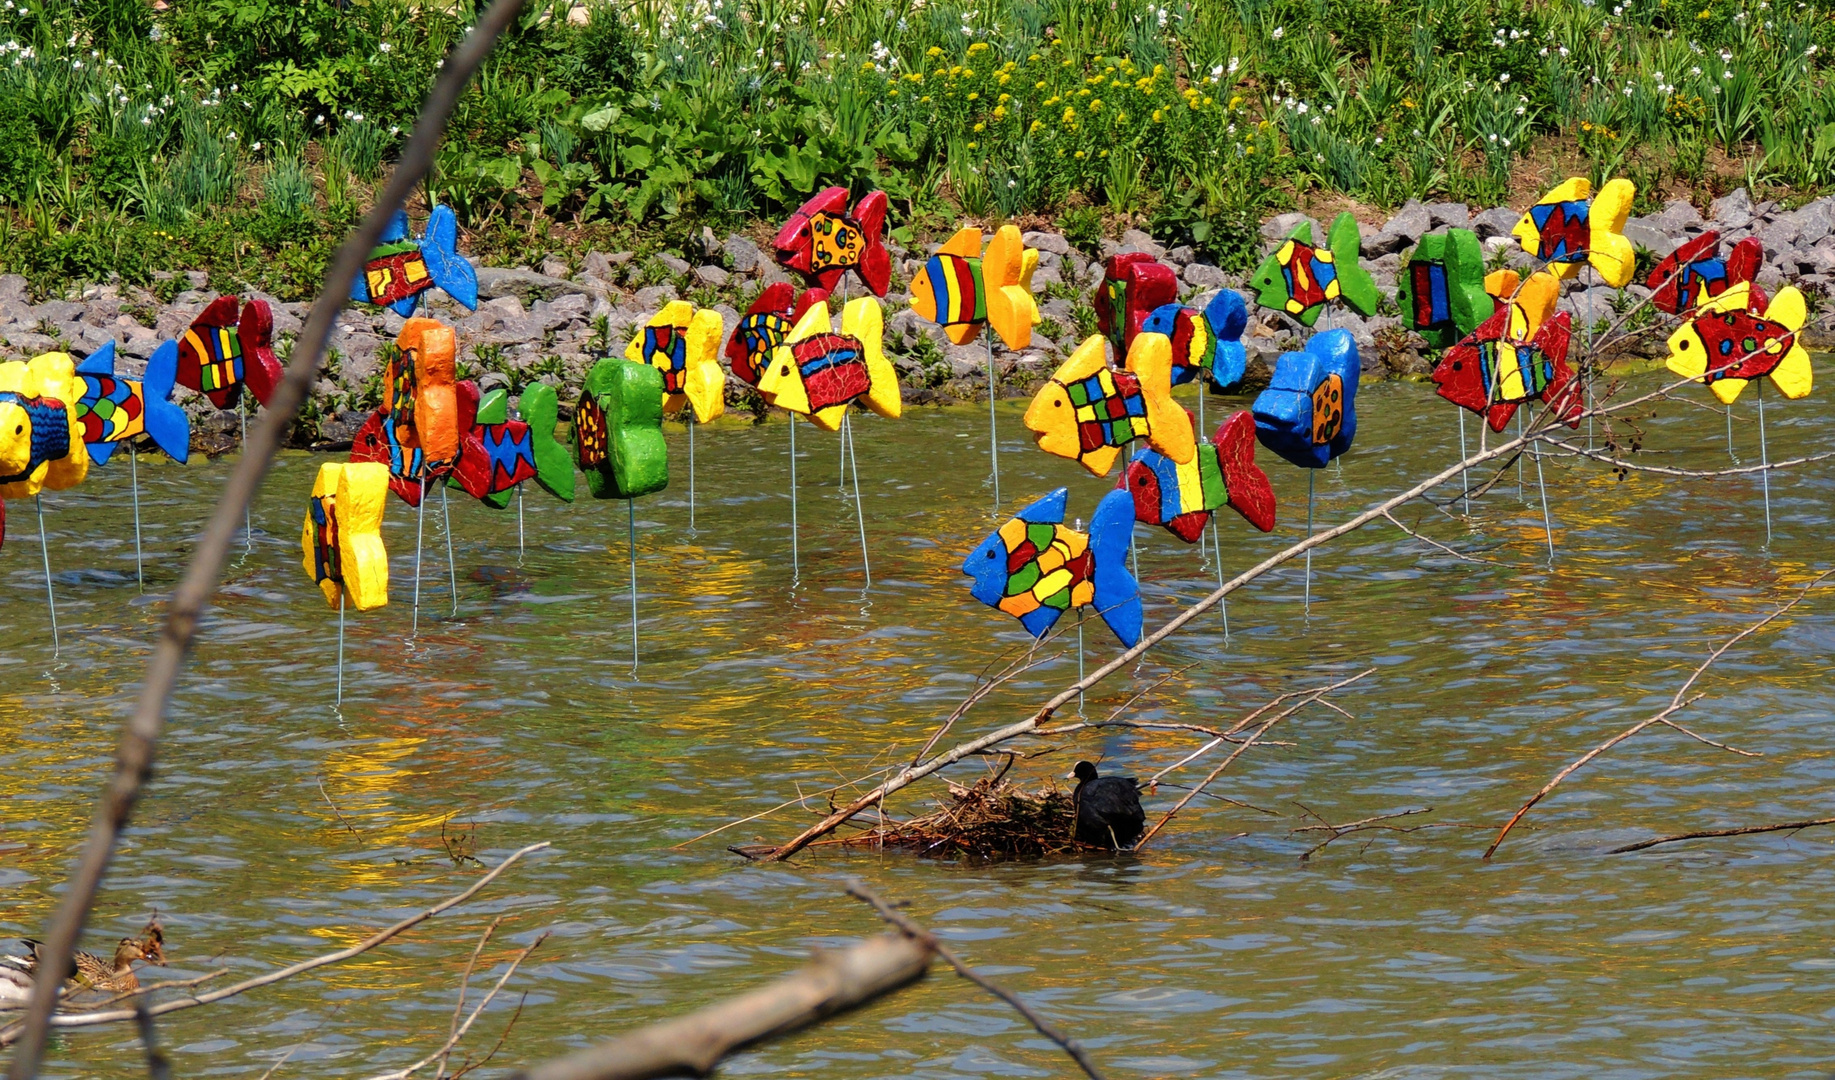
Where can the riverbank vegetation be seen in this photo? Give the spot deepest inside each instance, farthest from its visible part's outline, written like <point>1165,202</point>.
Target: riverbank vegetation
<point>242,137</point>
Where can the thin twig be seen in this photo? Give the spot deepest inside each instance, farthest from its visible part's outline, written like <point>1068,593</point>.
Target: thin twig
<point>464,982</point>
<point>917,933</point>
<point>140,735</point>
<point>334,808</point>
<point>1431,542</point>
<point>1707,834</point>
<point>1676,704</point>
<point>453,1040</point>
<point>1661,470</point>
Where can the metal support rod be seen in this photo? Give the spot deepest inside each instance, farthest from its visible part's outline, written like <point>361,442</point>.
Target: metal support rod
<point>340,643</point>
<point>853,458</point>
<point>44,549</point>
<point>796,572</point>
<point>420,530</point>
<point>1731,456</point>
<point>691,528</point>
<point>1465,488</point>
<point>1309,532</point>
<point>133,473</point>
<point>1223,607</point>
<point>1548,529</point>
<point>1764,460</point>
<point>452,571</point>
<point>631,514</point>
<point>993,430</point>
<point>248,528</point>
<point>520,488</point>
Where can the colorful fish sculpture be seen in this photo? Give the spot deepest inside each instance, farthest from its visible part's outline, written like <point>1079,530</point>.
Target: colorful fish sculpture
<point>415,432</point>
<point>1300,279</point>
<point>223,350</point>
<point>1565,230</point>
<point>1737,337</point>
<point>817,373</point>
<point>1134,285</point>
<point>342,536</point>
<point>41,440</point>
<point>618,430</point>
<point>400,269</point>
<point>823,241</point>
<point>961,289</point>
<point>1205,343</point>
<point>113,410</point>
<point>1308,414</point>
<point>1088,411</point>
<point>1035,568</point>
<point>683,343</point>
<point>540,408</point>
<point>765,325</point>
<point>1695,273</point>
<point>1519,355</point>
<point>495,452</point>
<point>1222,473</point>
<point>1442,289</point>
<point>1502,284</point>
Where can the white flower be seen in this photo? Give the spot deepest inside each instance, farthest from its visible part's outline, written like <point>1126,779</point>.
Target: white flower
<point>384,47</point>
<point>1233,63</point>
<point>1279,32</point>
<point>256,148</point>
<point>319,119</point>
<point>1504,78</point>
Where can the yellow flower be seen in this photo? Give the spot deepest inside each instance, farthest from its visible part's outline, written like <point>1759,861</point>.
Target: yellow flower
<point>968,72</point>
<point>979,46</point>
<point>1096,105</point>
<point>1235,101</point>
<point>867,66</point>
<point>1207,100</point>
<point>971,146</point>
<point>955,70</point>
<point>1036,125</point>
<point>1159,69</point>
<point>974,97</point>
<point>1408,103</point>
<point>1040,85</point>
<point>1159,116</point>
<point>925,100</point>
<point>1085,92</point>
<point>1079,155</point>
<point>1070,115</point>
<point>1000,112</point>
<point>1004,98</point>
<point>933,51</point>
<point>981,127</point>
<point>1034,58</point>
<point>1065,64</point>
<point>892,92</point>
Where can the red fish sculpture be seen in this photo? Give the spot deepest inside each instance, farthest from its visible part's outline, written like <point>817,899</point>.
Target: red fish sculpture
<point>823,241</point>
<point>1695,273</point>
<point>765,325</point>
<point>1516,356</point>
<point>1134,284</point>
<point>1222,473</point>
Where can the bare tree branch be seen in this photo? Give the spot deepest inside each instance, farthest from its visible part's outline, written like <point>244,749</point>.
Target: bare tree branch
<point>1707,834</point>
<point>459,1032</point>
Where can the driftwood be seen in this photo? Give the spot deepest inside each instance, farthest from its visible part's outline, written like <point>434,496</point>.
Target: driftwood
<point>1709,834</point>
<point>692,1045</point>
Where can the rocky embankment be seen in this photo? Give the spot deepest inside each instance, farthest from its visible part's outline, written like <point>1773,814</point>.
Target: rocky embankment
<point>549,324</point>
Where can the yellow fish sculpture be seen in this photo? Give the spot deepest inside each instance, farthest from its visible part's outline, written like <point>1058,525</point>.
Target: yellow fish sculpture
<point>1088,411</point>
<point>1736,337</point>
<point>41,439</point>
<point>682,343</point>
<point>342,539</point>
<point>819,373</point>
<point>960,289</point>
<point>1566,229</point>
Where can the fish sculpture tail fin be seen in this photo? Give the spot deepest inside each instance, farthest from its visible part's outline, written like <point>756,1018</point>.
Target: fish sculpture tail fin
<point>1564,397</point>
<point>451,271</point>
<point>749,349</point>
<point>1249,492</point>
<point>166,423</point>
<point>102,363</point>
<point>875,261</point>
<point>1355,285</point>
<point>1607,249</point>
<point>705,381</point>
<point>1168,428</point>
<point>255,331</point>
<point>1007,270</point>
<point>1792,375</point>
<point>1470,303</point>
<point>1744,260</point>
<point>1228,316</point>
<point>540,408</point>
<point>1664,279</point>
<point>864,320</point>
<point>1117,595</point>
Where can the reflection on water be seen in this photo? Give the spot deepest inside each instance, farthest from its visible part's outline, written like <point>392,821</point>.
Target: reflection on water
<point>278,826</point>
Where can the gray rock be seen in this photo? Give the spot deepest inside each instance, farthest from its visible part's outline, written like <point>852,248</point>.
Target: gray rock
<point>1044,241</point>
<point>526,285</point>
<point>711,275</point>
<point>678,267</point>
<point>1204,276</point>
<point>1778,238</point>
<point>771,274</point>
<point>1404,230</point>
<point>1281,226</point>
<point>138,342</point>
<point>1818,259</point>
<point>743,254</point>
<point>58,311</point>
<point>341,427</point>
<point>1046,275</point>
<point>1815,221</point>
<point>1135,240</point>
<point>1180,256</point>
<point>1449,214</point>
<point>596,265</point>
<point>1497,221</point>
<point>1678,216</point>
<point>13,289</point>
<point>965,360</point>
<point>556,268</point>
<point>655,296</point>
<point>1063,312</point>
<point>1649,237</point>
<point>1732,211</point>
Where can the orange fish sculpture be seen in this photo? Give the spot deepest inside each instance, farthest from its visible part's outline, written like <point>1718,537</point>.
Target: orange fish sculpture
<point>961,289</point>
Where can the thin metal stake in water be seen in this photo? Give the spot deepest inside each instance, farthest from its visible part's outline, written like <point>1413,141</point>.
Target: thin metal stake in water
<point>796,573</point>
<point>452,572</point>
<point>519,491</point>
<point>1223,606</point>
<point>993,431</point>
<point>1589,369</point>
<point>1079,662</point>
<point>420,531</point>
<point>853,459</point>
<point>1764,461</point>
<point>631,510</point>
<point>340,643</point>
<point>45,549</point>
<point>248,528</point>
<point>1309,536</point>
<point>1730,454</point>
<point>691,528</point>
<point>1204,559</point>
<point>1548,530</point>
<point>1465,487</point>
<point>133,472</point>
<point>1519,456</point>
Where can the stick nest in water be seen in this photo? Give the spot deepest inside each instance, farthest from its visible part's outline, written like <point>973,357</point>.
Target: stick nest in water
<point>992,819</point>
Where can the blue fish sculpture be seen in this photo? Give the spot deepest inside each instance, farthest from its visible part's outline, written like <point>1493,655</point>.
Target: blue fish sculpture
<point>1205,343</point>
<point>400,269</point>
<point>1308,414</point>
<point>113,410</point>
<point>1035,568</point>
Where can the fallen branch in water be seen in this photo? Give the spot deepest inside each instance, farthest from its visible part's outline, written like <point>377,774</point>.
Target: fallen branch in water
<point>459,1030</point>
<point>1676,704</point>
<point>912,930</point>
<point>90,1019</point>
<point>1709,834</point>
<point>692,1045</point>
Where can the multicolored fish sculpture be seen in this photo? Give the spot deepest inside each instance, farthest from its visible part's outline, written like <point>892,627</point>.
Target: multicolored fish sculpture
<point>618,430</point>
<point>1205,344</point>
<point>113,410</point>
<point>1519,355</point>
<point>823,241</point>
<point>1737,337</point>
<point>1035,568</point>
<point>1694,273</point>
<point>495,452</point>
<point>1300,279</point>
<point>1442,289</point>
<point>416,432</point>
<point>1134,285</point>
<point>961,289</point>
<point>817,373</point>
<point>540,408</point>
<point>342,537</point>
<point>400,269</point>
<point>683,343</point>
<point>1565,230</point>
<point>222,351</point>
<point>1088,411</point>
<point>40,439</point>
<point>1308,414</point>
<point>1222,473</point>
<point>765,325</point>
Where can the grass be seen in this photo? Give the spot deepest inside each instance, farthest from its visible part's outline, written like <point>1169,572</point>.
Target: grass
<point>241,137</point>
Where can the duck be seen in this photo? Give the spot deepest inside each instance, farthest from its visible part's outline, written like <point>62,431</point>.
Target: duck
<point>1109,810</point>
<point>18,973</point>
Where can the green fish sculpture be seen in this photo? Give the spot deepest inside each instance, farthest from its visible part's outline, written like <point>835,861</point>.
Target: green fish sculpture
<point>1442,288</point>
<point>618,430</point>
<point>1300,278</point>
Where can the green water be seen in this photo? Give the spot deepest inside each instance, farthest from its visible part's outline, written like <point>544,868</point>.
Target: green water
<point>1215,953</point>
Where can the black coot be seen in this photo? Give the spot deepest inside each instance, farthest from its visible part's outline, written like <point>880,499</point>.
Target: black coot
<point>1109,810</point>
